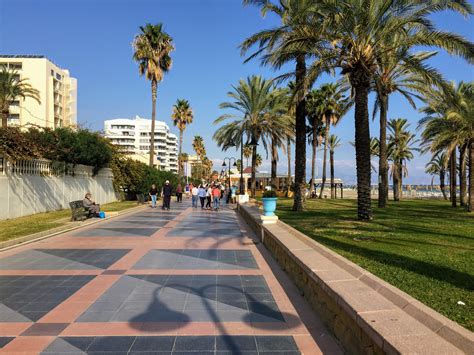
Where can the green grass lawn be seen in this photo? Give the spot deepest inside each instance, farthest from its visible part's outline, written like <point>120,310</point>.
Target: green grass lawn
<point>19,227</point>
<point>425,248</point>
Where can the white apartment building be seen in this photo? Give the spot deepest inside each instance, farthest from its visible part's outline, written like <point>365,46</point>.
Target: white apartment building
<point>57,90</point>
<point>134,136</point>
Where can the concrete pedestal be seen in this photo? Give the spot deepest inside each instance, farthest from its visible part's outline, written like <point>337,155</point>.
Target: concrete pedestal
<point>269,219</point>
<point>242,198</point>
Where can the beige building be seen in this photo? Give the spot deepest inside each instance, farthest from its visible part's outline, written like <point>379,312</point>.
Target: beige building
<point>57,89</point>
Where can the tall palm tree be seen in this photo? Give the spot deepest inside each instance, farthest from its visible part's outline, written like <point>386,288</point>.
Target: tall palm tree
<point>200,150</point>
<point>398,71</point>
<point>152,48</point>
<point>449,125</point>
<point>400,150</point>
<point>332,107</point>
<point>437,166</point>
<point>182,116</point>
<point>356,33</point>
<point>11,89</point>
<point>315,129</point>
<point>333,142</point>
<point>280,128</point>
<point>258,160</point>
<point>253,100</point>
<point>275,47</point>
<point>247,153</point>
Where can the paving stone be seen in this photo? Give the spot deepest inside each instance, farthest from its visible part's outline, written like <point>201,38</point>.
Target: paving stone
<point>24,305</point>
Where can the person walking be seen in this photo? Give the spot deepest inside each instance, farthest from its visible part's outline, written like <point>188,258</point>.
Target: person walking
<point>208,196</point>
<point>202,195</point>
<point>153,195</point>
<point>216,194</point>
<point>179,193</point>
<point>194,196</point>
<point>233,194</point>
<point>187,191</point>
<point>166,193</point>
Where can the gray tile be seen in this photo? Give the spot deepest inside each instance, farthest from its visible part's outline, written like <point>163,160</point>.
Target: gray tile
<point>111,343</point>
<point>195,343</point>
<point>276,343</point>
<point>153,343</point>
<point>116,232</point>
<point>30,299</point>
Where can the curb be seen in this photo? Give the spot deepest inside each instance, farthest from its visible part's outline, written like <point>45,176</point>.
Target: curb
<point>27,239</point>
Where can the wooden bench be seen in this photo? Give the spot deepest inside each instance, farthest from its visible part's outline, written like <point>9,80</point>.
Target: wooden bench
<point>78,211</point>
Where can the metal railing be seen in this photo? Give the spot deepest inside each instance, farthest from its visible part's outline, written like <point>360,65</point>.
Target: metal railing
<point>38,167</point>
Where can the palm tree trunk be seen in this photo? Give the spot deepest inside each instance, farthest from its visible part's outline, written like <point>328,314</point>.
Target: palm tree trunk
<point>153,119</point>
<point>274,163</point>
<point>383,163</point>
<point>452,178</point>
<point>400,180</point>
<point>442,184</point>
<point>5,115</point>
<point>314,147</point>
<point>470,206</point>
<point>331,163</point>
<point>462,175</point>
<point>253,182</point>
<point>323,182</point>
<point>300,133</point>
<point>362,145</point>
<point>180,172</point>
<point>288,156</point>
<point>396,182</point>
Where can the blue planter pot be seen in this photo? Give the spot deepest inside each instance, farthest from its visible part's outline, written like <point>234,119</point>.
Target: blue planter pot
<point>269,205</point>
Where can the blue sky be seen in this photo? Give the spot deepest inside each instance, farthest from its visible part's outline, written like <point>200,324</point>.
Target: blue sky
<point>92,38</point>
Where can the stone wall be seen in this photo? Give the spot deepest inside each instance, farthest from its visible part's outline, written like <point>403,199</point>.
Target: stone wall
<point>366,314</point>
<point>24,194</point>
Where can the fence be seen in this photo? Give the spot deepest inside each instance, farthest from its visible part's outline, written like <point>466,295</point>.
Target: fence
<point>33,186</point>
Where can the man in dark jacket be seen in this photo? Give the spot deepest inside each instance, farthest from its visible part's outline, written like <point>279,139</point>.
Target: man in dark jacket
<point>166,194</point>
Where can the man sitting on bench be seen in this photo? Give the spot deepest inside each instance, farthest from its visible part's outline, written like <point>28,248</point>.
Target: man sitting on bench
<point>90,205</point>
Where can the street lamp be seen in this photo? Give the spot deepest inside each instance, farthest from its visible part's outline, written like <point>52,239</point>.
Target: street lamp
<point>229,159</point>
<point>253,143</point>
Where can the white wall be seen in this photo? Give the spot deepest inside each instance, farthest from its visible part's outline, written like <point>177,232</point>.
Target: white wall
<point>22,195</point>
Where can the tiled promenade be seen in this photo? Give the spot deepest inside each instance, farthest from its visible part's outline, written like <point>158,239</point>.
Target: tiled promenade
<point>183,281</point>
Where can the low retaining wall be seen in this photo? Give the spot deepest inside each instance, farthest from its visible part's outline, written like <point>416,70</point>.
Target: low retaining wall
<point>365,313</point>
<point>26,194</point>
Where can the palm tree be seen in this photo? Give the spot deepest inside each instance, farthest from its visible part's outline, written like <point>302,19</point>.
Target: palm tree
<point>182,116</point>
<point>449,125</point>
<point>258,160</point>
<point>333,142</point>
<point>11,89</point>
<point>405,73</point>
<point>200,149</point>
<point>152,48</point>
<point>253,100</point>
<point>356,33</point>
<point>280,128</point>
<point>247,153</point>
<point>332,107</point>
<point>315,129</point>
<point>437,166</point>
<point>275,46</point>
<point>400,150</point>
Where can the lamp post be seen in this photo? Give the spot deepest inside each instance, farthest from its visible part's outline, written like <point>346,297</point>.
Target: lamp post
<point>229,159</point>
<point>253,143</point>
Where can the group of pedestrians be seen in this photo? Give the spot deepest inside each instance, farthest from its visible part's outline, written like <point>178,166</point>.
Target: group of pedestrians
<point>209,196</point>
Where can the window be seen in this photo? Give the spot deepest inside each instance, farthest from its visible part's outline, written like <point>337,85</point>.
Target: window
<point>58,76</point>
<point>15,103</point>
<point>52,72</point>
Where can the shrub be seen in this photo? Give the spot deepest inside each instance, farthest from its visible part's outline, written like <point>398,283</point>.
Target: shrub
<point>269,194</point>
